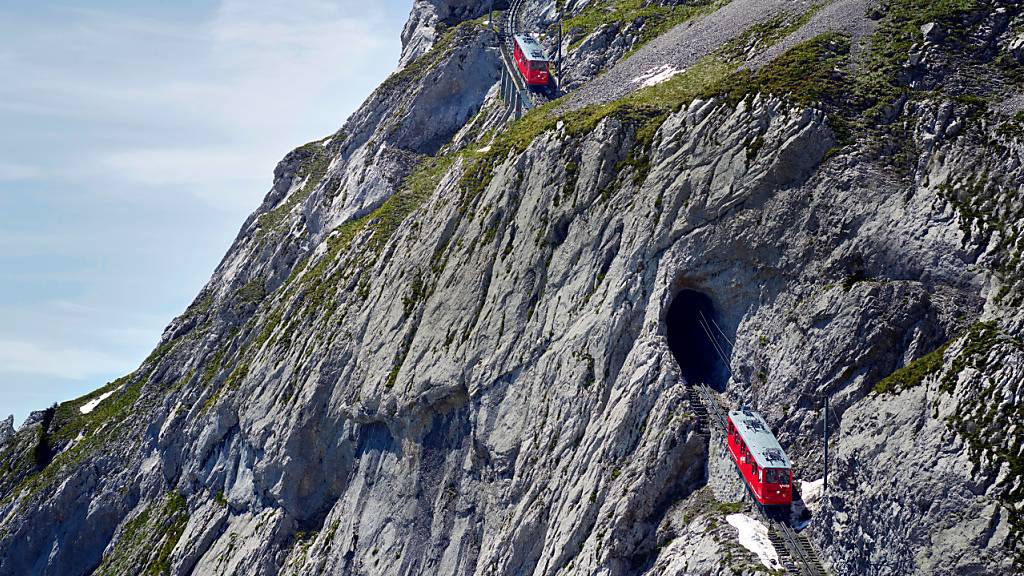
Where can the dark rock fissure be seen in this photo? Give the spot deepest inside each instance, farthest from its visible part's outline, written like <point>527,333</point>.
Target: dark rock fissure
<point>698,347</point>
<point>44,451</point>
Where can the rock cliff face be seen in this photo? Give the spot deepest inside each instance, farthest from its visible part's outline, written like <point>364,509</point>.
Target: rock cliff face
<point>447,343</point>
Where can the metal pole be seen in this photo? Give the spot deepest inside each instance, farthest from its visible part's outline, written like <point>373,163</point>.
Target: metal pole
<point>558,86</point>
<point>560,26</point>
<point>825,482</point>
<point>490,17</point>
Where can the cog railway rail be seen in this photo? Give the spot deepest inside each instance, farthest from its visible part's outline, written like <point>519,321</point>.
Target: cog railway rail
<point>795,550</point>
<point>520,96</point>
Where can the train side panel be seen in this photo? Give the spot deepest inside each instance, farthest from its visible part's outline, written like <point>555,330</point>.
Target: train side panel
<point>535,73</point>
<point>766,493</point>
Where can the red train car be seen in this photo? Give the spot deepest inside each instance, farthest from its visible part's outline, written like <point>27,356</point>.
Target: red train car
<point>760,459</point>
<point>531,60</point>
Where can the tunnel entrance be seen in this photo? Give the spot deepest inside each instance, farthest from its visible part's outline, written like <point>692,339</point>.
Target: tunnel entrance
<point>693,333</point>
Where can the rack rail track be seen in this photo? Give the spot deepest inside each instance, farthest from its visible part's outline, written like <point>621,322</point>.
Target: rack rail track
<point>795,550</point>
<point>519,97</point>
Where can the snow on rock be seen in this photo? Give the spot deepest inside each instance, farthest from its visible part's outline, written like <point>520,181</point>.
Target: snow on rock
<point>92,404</point>
<point>657,75</point>
<point>811,493</point>
<point>753,535</point>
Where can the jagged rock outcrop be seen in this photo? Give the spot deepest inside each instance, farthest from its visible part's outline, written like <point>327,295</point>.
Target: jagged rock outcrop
<point>6,429</point>
<point>429,18</point>
<point>441,345</point>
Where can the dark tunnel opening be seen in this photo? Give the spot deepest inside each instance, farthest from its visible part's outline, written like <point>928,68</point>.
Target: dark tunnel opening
<point>695,338</point>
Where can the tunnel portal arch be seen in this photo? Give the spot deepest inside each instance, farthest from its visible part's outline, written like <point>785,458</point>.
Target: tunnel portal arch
<point>692,331</point>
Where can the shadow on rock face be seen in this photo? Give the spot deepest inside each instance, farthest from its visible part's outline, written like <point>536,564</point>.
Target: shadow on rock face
<point>695,339</point>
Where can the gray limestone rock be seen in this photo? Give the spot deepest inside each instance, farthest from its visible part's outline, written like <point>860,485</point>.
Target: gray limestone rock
<point>6,429</point>
<point>449,344</point>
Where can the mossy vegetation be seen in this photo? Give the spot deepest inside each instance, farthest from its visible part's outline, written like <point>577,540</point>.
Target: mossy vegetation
<point>806,74</point>
<point>145,543</point>
<point>914,373</point>
<point>447,40</point>
<point>726,508</point>
<point>652,17</point>
<point>990,212</point>
<point>763,35</point>
<point>72,436</point>
<point>314,160</point>
<point>251,294</point>
<point>986,420</point>
<point>888,48</point>
<point>980,340</point>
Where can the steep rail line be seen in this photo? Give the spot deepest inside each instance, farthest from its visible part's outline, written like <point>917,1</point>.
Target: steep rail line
<point>795,550</point>
<point>514,90</point>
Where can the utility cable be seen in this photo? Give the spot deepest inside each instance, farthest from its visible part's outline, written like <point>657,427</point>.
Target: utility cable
<point>720,331</point>
<point>714,343</point>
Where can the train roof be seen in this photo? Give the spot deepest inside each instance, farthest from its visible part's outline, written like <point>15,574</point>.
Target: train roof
<point>531,48</point>
<point>759,439</point>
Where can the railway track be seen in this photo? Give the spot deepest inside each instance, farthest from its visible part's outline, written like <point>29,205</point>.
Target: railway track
<point>795,550</point>
<point>510,27</point>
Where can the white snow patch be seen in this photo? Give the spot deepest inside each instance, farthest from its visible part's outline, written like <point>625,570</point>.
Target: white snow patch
<point>753,536</point>
<point>325,143</point>
<point>484,150</point>
<point>92,404</point>
<point>811,493</point>
<point>658,75</point>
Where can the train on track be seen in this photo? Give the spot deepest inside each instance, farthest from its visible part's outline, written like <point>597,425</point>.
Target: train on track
<point>531,59</point>
<point>760,459</point>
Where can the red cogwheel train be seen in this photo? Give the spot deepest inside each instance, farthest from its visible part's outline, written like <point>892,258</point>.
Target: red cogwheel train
<point>532,61</point>
<point>760,459</point>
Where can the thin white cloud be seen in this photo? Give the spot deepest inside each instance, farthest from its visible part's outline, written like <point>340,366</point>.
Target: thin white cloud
<point>22,357</point>
<point>234,93</point>
<point>131,125</point>
<point>224,177</point>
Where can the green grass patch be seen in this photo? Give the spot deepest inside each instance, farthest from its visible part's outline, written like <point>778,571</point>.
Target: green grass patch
<point>78,435</point>
<point>982,418</point>
<point>146,542</point>
<point>914,373</point>
<point>251,294</point>
<point>877,84</point>
<point>655,19</point>
<point>315,159</point>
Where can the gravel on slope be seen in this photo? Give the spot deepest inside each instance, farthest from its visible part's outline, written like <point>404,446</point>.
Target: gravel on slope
<point>680,47</point>
<point>844,16</point>
<point>687,43</point>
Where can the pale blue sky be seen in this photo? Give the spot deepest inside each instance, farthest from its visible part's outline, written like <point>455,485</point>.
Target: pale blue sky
<point>135,137</point>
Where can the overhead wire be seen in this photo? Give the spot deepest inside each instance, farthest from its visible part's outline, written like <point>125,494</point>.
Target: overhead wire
<point>715,344</point>
<point>720,331</point>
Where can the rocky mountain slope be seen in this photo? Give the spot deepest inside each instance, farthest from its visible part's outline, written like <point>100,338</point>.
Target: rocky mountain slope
<point>448,343</point>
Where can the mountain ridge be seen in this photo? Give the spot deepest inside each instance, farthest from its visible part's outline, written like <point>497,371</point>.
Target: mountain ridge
<point>440,344</point>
